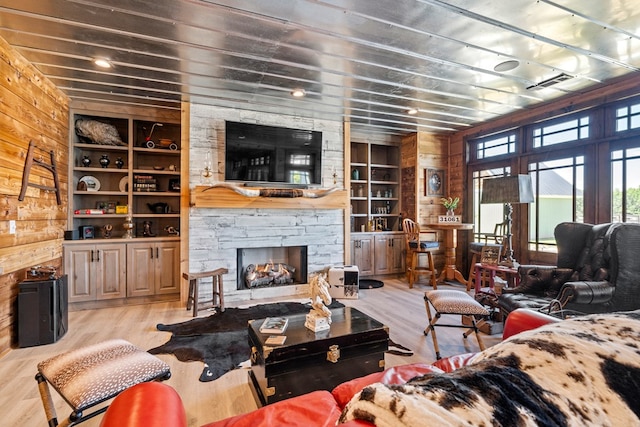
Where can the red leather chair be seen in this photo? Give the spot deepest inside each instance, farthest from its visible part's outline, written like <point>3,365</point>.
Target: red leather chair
<point>150,404</point>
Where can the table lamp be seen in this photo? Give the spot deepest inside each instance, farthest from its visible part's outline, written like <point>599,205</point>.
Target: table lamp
<point>508,190</point>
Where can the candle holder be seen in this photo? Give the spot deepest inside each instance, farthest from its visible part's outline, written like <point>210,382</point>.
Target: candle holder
<point>128,227</point>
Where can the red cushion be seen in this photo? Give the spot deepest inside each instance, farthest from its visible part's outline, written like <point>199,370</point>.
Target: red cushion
<point>396,375</point>
<point>315,409</point>
<point>139,405</point>
<point>451,363</point>
<point>524,319</point>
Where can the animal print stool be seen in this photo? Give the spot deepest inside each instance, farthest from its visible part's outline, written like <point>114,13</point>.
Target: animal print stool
<point>90,375</point>
<point>452,302</point>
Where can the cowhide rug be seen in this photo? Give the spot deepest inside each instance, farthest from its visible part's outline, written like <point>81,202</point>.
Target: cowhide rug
<point>579,372</point>
<point>221,340</point>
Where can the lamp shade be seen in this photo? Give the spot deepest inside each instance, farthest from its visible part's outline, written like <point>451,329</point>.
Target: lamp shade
<point>507,189</point>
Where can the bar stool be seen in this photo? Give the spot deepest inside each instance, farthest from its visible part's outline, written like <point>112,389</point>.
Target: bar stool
<point>415,247</point>
<point>453,302</point>
<point>217,289</point>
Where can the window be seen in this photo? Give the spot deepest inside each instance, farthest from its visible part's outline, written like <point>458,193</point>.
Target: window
<point>628,117</point>
<point>496,146</point>
<point>558,187</point>
<point>625,185</point>
<point>487,216</point>
<point>558,133</point>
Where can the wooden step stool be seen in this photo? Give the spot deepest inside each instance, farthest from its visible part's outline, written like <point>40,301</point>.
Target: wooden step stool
<point>88,376</point>
<point>216,286</point>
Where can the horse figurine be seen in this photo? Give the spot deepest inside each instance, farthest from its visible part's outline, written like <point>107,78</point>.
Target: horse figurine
<point>319,318</point>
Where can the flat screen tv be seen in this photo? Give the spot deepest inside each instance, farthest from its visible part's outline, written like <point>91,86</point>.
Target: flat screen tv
<point>269,154</point>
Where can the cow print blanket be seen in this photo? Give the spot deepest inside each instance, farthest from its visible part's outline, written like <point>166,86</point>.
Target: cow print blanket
<point>579,372</point>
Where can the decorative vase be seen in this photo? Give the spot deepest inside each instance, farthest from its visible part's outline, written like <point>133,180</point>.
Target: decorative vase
<point>104,161</point>
<point>450,212</point>
<point>86,161</point>
<point>119,163</point>
<point>355,174</point>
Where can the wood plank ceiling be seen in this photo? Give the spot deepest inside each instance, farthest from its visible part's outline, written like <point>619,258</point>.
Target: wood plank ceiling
<point>364,61</point>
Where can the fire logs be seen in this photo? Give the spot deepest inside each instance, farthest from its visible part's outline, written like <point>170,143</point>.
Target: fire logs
<point>269,274</point>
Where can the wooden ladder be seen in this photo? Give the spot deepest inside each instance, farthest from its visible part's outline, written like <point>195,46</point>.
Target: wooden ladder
<point>51,167</point>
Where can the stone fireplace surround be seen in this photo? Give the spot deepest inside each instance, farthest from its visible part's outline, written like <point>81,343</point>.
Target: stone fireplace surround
<point>215,234</point>
<point>223,231</point>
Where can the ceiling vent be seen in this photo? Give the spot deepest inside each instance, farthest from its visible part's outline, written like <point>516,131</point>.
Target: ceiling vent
<point>550,82</point>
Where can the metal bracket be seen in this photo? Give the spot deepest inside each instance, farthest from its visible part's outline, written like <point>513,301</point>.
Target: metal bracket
<point>333,355</point>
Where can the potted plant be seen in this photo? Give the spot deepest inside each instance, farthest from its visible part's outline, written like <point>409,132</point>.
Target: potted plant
<point>450,204</point>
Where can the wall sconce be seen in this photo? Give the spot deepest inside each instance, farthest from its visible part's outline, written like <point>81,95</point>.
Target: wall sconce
<point>207,169</point>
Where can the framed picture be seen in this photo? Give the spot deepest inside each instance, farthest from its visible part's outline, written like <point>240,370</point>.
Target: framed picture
<point>434,182</point>
<point>490,255</point>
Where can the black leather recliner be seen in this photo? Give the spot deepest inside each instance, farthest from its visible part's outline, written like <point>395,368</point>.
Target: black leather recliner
<point>597,271</point>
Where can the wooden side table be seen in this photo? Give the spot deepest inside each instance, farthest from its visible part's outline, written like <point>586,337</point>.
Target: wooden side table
<point>450,271</point>
<point>511,273</point>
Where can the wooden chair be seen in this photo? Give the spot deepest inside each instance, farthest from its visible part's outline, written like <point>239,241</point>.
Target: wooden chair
<point>416,247</point>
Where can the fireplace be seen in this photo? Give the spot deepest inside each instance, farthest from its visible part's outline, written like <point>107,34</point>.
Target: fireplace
<point>271,266</point>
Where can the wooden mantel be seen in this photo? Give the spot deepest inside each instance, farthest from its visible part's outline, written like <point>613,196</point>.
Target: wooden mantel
<point>225,198</point>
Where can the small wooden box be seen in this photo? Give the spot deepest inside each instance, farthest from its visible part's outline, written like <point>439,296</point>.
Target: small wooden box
<point>354,346</point>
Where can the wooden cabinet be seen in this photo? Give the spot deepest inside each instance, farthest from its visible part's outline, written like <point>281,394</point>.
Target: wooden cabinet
<point>362,253</point>
<point>378,253</point>
<point>104,270</point>
<point>388,253</point>
<point>120,166</point>
<point>154,268</point>
<point>376,245</point>
<point>96,271</point>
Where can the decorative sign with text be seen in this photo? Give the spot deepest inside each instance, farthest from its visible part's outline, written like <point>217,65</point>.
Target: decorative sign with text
<point>449,219</point>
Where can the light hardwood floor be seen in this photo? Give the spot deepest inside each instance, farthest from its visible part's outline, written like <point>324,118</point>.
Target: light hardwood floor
<point>397,306</point>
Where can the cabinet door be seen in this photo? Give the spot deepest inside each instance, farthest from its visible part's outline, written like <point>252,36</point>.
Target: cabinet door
<point>111,271</point>
<point>362,254</point>
<point>167,271</point>
<point>382,260</point>
<point>397,254</point>
<point>141,269</point>
<point>81,271</point>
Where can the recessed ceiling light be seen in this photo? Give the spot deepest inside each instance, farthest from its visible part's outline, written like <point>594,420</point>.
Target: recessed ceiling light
<point>507,65</point>
<point>412,111</point>
<point>101,62</point>
<point>298,93</point>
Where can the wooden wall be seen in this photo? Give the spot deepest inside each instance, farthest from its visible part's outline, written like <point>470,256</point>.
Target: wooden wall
<point>422,151</point>
<point>32,109</point>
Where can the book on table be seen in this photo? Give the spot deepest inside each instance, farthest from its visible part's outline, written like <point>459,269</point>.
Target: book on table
<point>275,340</point>
<point>274,325</point>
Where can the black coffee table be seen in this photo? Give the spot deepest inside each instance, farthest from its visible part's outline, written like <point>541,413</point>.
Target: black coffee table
<point>354,346</point>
